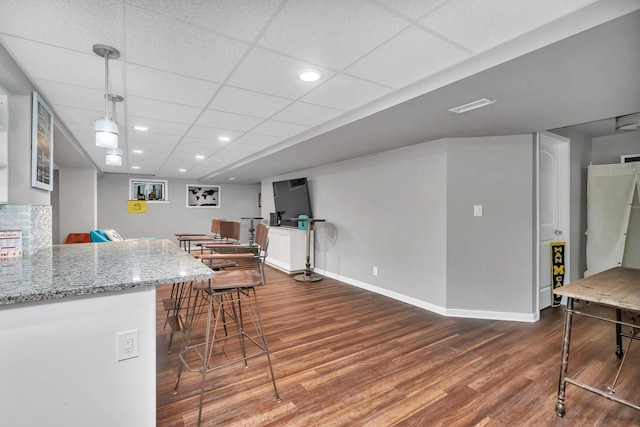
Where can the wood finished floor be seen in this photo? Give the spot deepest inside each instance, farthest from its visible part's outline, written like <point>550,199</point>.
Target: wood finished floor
<point>344,356</point>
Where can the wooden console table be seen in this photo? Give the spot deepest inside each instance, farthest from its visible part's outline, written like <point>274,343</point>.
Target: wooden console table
<point>618,288</point>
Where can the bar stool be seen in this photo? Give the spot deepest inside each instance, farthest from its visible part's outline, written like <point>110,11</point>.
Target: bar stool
<point>230,302</point>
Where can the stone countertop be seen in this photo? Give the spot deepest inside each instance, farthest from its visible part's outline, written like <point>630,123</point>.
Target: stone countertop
<point>92,268</point>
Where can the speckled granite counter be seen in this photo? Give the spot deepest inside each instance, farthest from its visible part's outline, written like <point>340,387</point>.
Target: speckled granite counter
<point>93,268</point>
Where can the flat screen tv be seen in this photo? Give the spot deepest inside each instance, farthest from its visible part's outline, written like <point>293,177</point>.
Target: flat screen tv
<point>291,199</point>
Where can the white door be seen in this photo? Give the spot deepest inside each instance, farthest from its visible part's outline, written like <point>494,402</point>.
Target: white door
<point>553,208</point>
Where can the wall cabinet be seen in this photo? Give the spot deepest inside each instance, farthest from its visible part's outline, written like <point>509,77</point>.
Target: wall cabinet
<point>288,249</point>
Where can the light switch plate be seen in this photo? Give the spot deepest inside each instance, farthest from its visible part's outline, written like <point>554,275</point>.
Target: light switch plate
<point>477,210</point>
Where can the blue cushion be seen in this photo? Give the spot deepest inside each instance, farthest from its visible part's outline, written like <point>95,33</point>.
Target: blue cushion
<point>98,236</point>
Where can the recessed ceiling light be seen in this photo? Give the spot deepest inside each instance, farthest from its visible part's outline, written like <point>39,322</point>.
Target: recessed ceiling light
<point>224,138</point>
<point>137,151</point>
<point>135,167</point>
<point>232,178</point>
<point>199,156</point>
<point>141,128</point>
<point>182,170</point>
<point>309,75</point>
<point>472,105</point>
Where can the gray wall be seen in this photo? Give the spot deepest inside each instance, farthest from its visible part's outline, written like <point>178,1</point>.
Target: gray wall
<point>19,135</point>
<point>77,201</point>
<point>165,219</point>
<point>387,211</point>
<point>410,212</point>
<point>490,259</point>
<point>608,149</point>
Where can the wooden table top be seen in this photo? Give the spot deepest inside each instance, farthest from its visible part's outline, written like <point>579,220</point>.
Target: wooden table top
<point>618,287</point>
<point>197,238</point>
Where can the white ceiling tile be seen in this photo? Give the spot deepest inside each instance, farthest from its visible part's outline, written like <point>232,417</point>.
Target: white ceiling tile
<point>75,68</point>
<point>346,93</point>
<point>155,126</point>
<point>262,140</point>
<point>244,148</point>
<point>154,139</point>
<point>268,72</point>
<point>68,95</point>
<point>183,50</point>
<point>200,146</point>
<point>241,19</point>
<point>213,134</point>
<point>307,114</point>
<point>73,115</point>
<point>228,156</point>
<point>483,24</point>
<point>275,128</point>
<point>150,149</point>
<point>323,32</point>
<point>133,157</point>
<point>413,9</point>
<point>222,120</point>
<point>161,110</point>
<point>73,24</point>
<point>416,52</point>
<point>148,83</point>
<point>248,102</point>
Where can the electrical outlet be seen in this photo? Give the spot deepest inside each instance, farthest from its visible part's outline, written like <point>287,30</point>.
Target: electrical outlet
<point>375,270</point>
<point>127,343</point>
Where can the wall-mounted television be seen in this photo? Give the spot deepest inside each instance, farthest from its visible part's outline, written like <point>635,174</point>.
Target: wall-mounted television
<point>291,200</point>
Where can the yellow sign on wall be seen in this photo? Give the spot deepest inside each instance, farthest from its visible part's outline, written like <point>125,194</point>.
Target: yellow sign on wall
<point>557,270</point>
<point>136,206</point>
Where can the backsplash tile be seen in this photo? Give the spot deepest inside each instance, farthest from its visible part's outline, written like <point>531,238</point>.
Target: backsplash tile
<point>34,221</point>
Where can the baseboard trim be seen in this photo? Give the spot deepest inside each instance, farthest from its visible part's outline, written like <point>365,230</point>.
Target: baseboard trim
<point>470,314</point>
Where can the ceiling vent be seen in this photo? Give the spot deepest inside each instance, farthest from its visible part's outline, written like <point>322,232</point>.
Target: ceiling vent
<point>628,122</point>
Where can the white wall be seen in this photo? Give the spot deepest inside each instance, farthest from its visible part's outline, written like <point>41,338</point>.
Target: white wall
<point>580,154</point>
<point>58,362</point>
<point>165,219</point>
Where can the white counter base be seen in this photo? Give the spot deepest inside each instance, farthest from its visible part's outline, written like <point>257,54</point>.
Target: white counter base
<point>288,249</point>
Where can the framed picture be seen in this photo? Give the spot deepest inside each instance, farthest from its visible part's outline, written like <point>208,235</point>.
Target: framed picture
<point>628,158</point>
<point>41,144</point>
<point>153,191</point>
<point>203,196</point>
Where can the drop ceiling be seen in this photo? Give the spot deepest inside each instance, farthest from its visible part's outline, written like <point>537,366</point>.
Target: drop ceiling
<point>193,71</point>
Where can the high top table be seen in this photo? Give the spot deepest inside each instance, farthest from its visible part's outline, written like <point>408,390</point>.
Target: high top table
<point>308,275</point>
<point>618,288</point>
<point>251,229</point>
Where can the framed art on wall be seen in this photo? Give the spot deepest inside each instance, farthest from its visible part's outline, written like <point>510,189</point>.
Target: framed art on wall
<point>153,191</point>
<point>203,196</point>
<point>41,144</point>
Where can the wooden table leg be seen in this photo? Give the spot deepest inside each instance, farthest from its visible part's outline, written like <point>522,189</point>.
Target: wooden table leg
<point>619,350</point>
<point>566,338</point>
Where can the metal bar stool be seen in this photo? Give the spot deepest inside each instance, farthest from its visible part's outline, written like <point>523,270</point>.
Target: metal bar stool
<point>229,301</point>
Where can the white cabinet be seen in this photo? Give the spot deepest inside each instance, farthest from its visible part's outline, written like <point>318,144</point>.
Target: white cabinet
<point>4,148</point>
<point>288,249</point>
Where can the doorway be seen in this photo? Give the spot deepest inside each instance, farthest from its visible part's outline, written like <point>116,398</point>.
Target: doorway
<point>553,208</point>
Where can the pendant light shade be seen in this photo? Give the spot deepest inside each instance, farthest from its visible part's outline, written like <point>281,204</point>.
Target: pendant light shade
<point>106,129</point>
<point>113,157</point>
<point>106,133</point>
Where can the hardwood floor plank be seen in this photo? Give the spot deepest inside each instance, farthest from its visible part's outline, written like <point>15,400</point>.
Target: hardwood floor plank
<point>344,356</point>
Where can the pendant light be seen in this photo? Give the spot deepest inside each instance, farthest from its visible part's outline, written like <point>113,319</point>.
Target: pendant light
<point>114,154</point>
<point>106,129</point>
